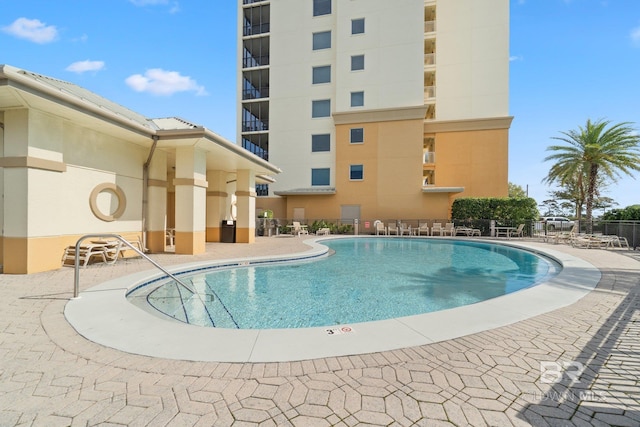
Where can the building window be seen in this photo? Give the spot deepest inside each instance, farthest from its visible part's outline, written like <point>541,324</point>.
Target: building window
<point>357,62</point>
<point>321,108</point>
<point>322,74</point>
<point>320,143</point>
<point>322,40</point>
<point>262,189</point>
<point>357,99</point>
<point>321,7</point>
<point>356,172</point>
<point>320,176</point>
<point>357,26</point>
<point>357,136</point>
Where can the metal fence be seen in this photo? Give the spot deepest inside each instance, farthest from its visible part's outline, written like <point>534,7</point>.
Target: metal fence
<point>628,229</point>
<point>276,226</point>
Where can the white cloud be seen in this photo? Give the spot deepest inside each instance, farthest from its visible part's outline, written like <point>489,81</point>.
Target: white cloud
<point>515,58</point>
<point>83,66</point>
<point>32,30</point>
<point>82,39</point>
<point>161,82</point>
<point>635,36</point>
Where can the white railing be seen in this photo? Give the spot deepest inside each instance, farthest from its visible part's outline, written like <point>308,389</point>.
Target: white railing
<point>76,264</point>
<point>429,92</point>
<point>429,59</point>
<point>429,26</point>
<point>429,157</point>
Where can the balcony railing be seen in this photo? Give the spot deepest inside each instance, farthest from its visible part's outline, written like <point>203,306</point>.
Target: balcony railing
<point>251,61</point>
<point>255,93</point>
<point>429,92</point>
<point>431,112</point>
<point>255,125</point>
<point>429,157</point>
<point>429,59</point>
<point>255,149</point>
<point>252,1</point>
<point>429,26</point>
<point>252,30</point>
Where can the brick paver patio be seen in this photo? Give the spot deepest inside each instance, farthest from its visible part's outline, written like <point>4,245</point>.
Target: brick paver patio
<point>579,365</point>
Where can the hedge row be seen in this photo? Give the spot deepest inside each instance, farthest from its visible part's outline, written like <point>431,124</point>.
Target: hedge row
<point>630,213</point>
<point>506,211</point>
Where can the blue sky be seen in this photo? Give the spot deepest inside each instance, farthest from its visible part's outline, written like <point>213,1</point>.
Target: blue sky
<point>571,60</point>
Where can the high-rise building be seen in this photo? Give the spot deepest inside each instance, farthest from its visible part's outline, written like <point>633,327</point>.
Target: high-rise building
<point>375,108</point>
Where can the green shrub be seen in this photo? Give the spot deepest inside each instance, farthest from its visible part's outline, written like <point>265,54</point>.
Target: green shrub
<point>630,213</point>
<point>507,211</point>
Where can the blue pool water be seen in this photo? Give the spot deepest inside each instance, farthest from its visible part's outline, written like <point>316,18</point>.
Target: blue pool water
<point>366,279</point>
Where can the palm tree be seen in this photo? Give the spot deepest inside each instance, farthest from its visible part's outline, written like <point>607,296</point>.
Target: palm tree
<point>594,152</point>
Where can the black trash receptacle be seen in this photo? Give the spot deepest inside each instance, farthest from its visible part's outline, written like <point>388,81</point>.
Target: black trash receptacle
<point>228,232</point>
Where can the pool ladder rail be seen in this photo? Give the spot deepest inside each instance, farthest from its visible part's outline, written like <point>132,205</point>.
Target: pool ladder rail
<point>76,280</point>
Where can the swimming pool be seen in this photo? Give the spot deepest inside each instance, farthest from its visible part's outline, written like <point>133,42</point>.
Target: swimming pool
<point>367,279</point>
<point>102,314</point>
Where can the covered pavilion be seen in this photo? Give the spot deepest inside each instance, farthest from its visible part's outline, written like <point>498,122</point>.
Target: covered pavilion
<point>74,163</point>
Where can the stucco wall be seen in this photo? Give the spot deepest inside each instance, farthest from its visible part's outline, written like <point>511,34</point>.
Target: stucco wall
<point>1,188</point>
<point>476,160</point>
<point>393,75</point>
<point>391,154</point>
<point>45,209</point>
<point>472,59</point>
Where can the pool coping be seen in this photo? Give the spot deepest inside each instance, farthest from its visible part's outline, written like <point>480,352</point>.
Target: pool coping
<point>103,315</point>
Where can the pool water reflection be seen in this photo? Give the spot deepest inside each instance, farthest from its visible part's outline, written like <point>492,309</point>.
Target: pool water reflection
<point>366,279</point>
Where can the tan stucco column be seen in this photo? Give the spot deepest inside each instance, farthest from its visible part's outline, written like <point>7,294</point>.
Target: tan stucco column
<point>156,210</point>
<point>191,192</point>
<point>216,203</point>
<point>32,167</point>
<point>246,207</point>
<point>16,194</point>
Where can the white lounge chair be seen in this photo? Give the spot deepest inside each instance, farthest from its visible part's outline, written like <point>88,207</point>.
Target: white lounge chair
<point>423,229</point>
<point>112,251</point>
<point>449,229</point>
<point>105,251</point>
<point>170,236</point>
<point>299,229</point>
<point>467,231</point>
<point>323,231</point>
<point>621,240</point>
<point>380,228</point>
<point>590,241</point>
<point>518,232</point>
<point>436,228</point>
<point>392,228</point>
<point>405,229</point>
<point>567,236</point>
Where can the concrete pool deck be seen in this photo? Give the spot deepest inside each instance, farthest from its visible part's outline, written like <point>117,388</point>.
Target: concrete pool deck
<point>576,365</point>
<point>103,315</point>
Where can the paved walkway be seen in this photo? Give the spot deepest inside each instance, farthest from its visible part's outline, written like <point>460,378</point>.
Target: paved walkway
<point>579,365</point>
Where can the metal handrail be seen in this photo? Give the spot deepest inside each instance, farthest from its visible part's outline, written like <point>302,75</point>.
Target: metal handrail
<point>76,281</point>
